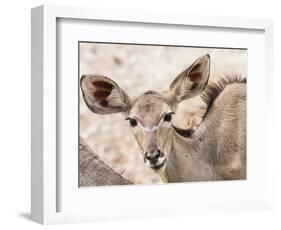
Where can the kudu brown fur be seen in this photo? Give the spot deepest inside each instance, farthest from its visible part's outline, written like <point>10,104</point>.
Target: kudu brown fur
<point>216,150</point>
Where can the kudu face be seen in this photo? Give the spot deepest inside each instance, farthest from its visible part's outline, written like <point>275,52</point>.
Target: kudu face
<point>150,114</point>
<point>150,118</point>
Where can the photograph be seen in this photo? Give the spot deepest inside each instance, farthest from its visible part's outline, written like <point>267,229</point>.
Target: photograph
<point>154,114</point>
<point>142,113</point>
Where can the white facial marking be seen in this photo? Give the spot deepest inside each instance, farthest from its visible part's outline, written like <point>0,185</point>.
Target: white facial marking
<point>149,130</point>
<point>160,160</point>
<point>147,163</point>
<point>152,129</point>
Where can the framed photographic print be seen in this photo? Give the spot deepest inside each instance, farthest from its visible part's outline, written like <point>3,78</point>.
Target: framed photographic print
<point>137,114</point>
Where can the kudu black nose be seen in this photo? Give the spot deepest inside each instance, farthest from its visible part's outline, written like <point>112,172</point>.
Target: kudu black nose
<point>152,155</point>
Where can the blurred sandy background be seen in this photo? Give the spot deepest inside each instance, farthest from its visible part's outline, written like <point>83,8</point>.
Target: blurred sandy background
<point>138,68</point>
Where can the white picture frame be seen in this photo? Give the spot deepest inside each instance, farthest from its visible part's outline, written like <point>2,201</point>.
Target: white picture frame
<point>44,173</point>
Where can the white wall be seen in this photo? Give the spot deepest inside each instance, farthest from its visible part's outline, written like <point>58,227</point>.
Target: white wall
<point>15,112</point>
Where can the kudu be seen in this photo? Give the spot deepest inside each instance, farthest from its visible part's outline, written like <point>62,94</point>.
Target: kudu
<point>216,150</point>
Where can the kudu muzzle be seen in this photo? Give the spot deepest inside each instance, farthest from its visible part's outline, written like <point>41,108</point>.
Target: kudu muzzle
<point>152,155</point>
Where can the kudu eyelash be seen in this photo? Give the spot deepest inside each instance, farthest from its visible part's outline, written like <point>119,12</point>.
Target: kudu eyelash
<point>133,122</point>
<point>168,116</point>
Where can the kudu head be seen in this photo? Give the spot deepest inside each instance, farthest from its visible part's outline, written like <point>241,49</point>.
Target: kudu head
<point>149,114</point>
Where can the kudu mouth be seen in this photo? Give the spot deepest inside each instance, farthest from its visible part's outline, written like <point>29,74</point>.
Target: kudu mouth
<point>159,166</point>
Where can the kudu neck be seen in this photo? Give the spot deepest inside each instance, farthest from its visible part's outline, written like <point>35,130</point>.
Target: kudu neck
<point>182,145</point>
<point>187,161</point>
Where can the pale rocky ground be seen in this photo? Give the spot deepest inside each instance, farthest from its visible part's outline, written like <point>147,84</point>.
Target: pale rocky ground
<point>137,69</point>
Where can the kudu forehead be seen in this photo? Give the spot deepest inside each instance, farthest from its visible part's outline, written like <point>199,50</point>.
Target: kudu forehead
<point>148,108</point>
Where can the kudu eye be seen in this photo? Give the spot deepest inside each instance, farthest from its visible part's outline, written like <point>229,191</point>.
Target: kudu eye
<point>168,116</point>
<point>133,122</point>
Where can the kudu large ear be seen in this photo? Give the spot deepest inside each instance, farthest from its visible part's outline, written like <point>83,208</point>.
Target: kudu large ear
<point>104,96</point>
<point>191,81</point>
